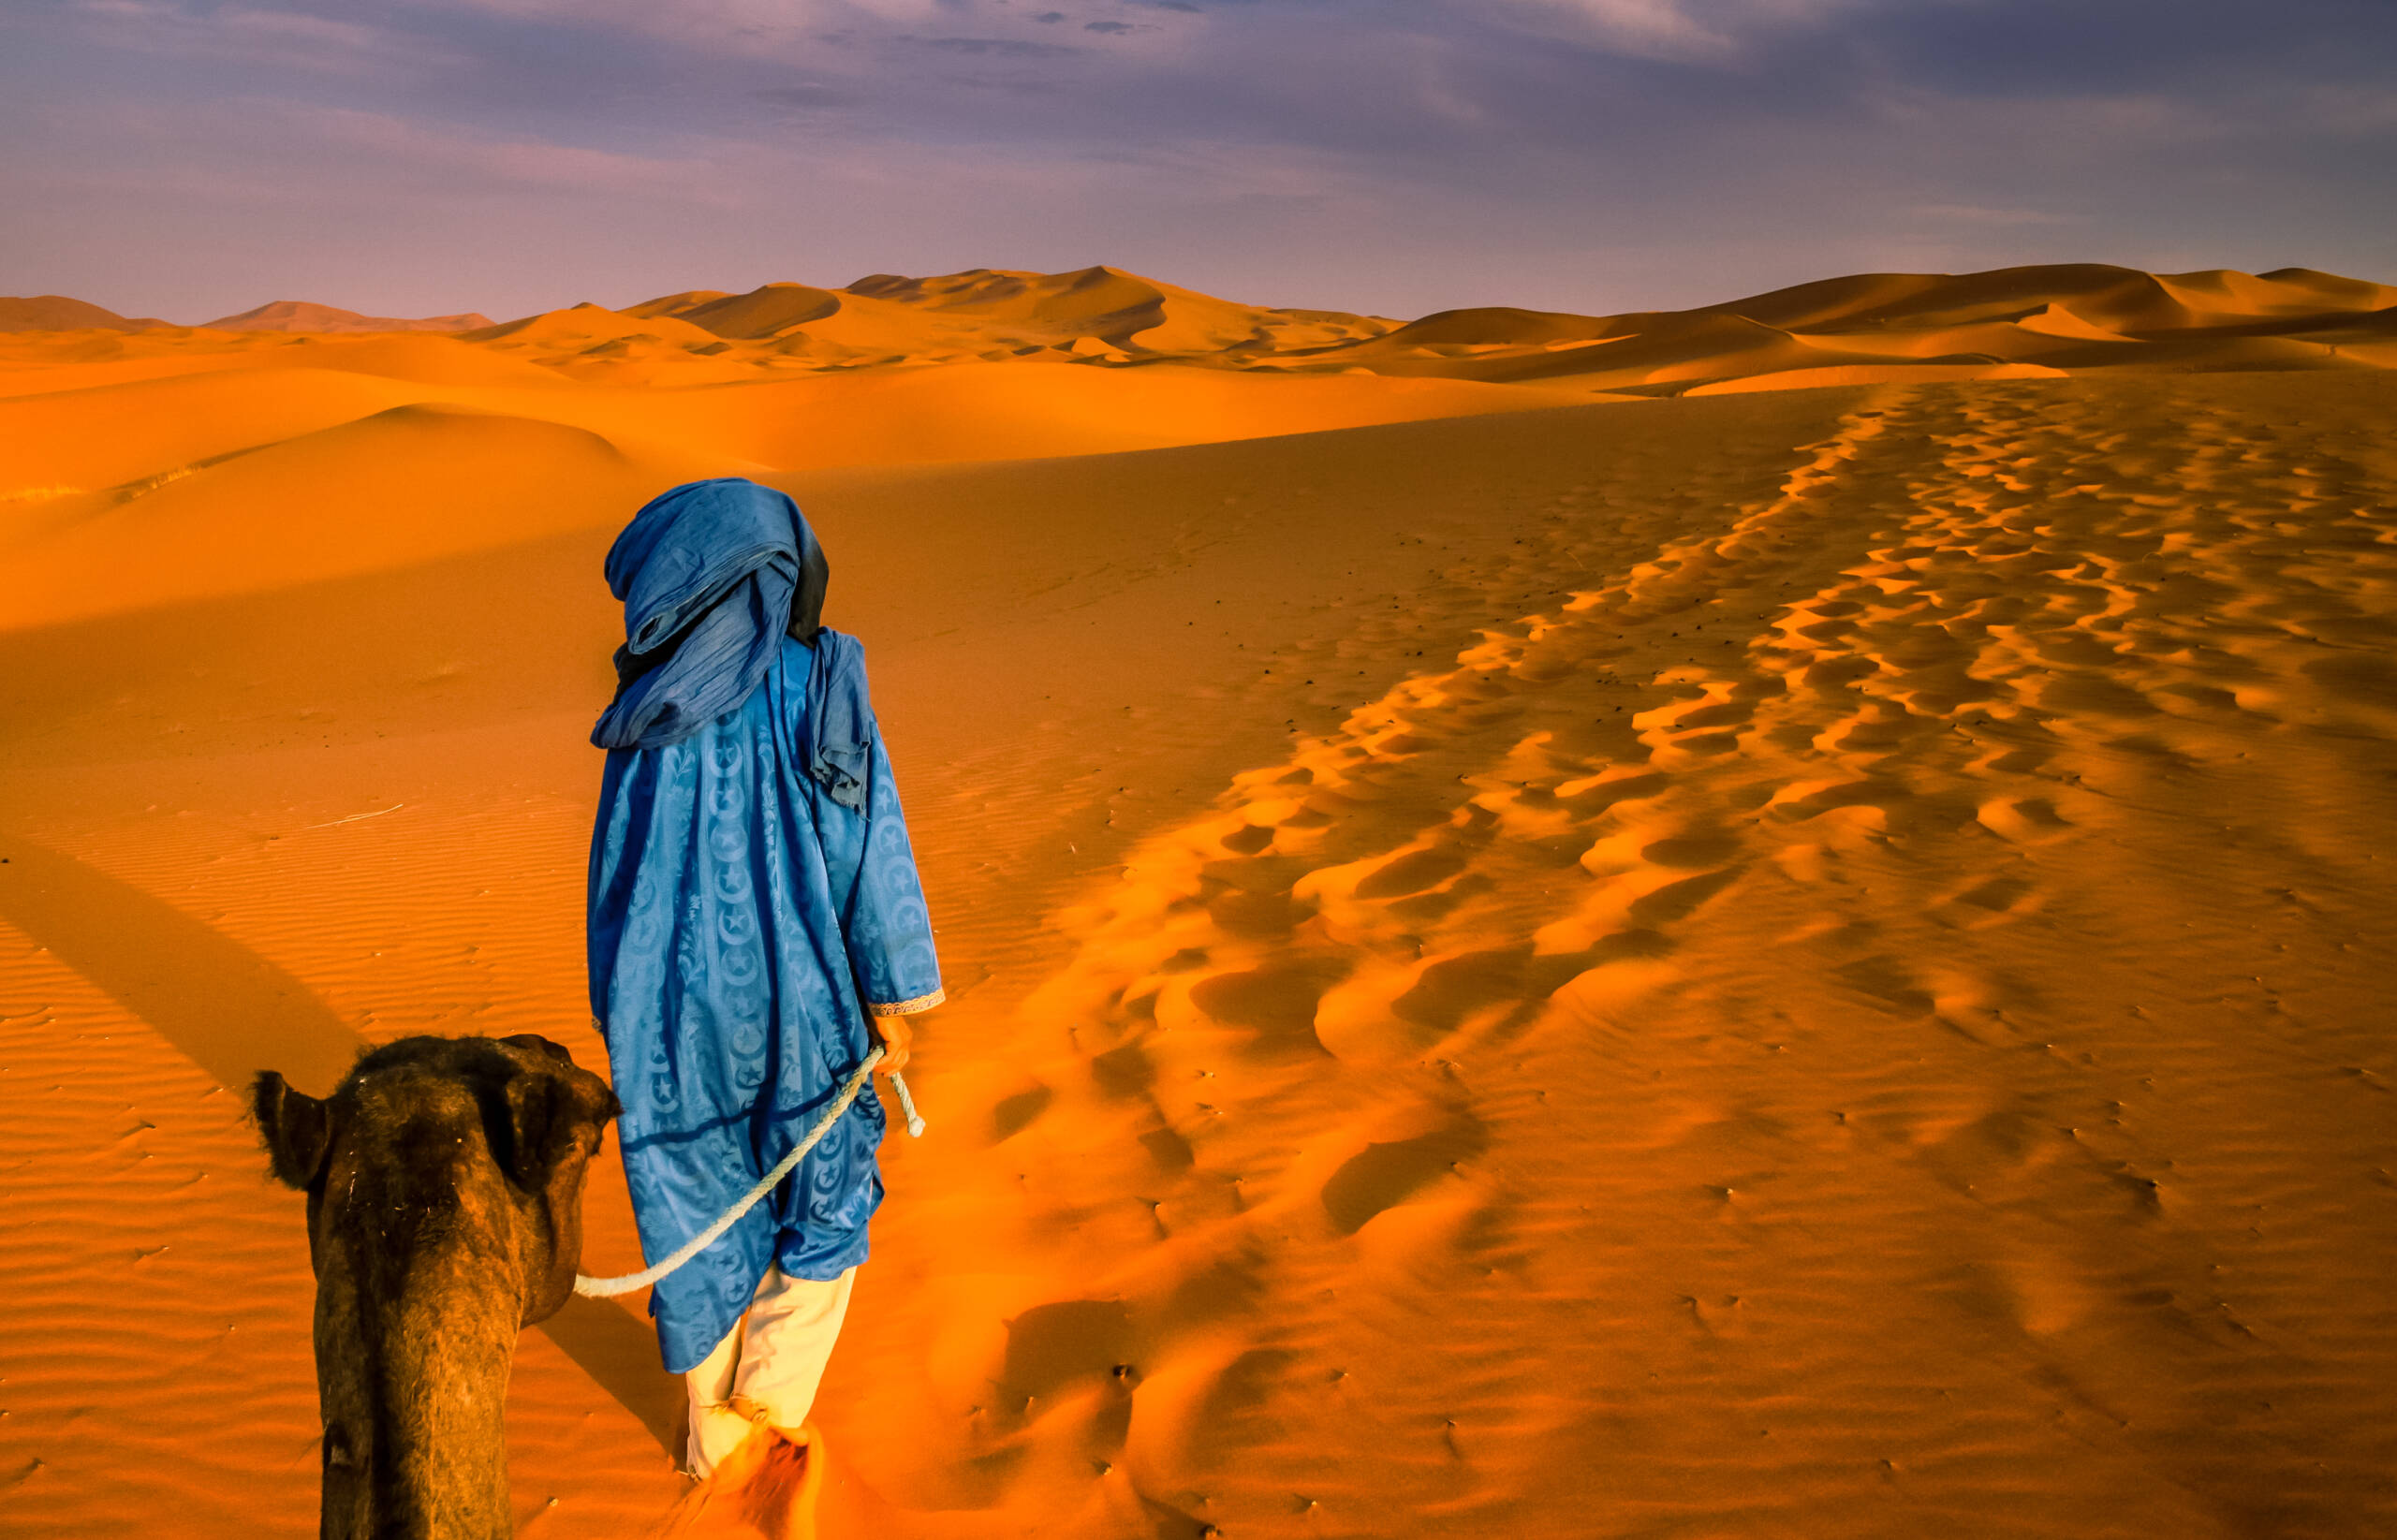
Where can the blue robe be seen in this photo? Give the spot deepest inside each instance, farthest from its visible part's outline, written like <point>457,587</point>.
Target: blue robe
<point>744,919</point>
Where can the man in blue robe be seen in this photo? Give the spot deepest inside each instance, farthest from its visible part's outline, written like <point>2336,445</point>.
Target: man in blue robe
<point>754,911</point>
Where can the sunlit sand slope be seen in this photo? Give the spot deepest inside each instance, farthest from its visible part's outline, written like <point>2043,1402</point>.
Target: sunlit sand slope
<point>1865,1016</point>
<point>370,455</point>
<point>1798,962</point>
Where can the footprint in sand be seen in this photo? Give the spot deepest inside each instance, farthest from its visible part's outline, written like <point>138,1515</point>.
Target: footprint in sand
<point>1275,1002</point>
<point>1993,900</point>
<point>1844,721</point>
<point>1084,1343</point>
<point>1015,1113</point>
<point>2028,820</point>
<point>1386,1174</point>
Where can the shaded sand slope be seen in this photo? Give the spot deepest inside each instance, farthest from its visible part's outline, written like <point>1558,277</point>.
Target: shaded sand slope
<point>1802,962</point>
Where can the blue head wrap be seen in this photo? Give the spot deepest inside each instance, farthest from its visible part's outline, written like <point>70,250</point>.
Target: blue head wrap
<point>713,574</point>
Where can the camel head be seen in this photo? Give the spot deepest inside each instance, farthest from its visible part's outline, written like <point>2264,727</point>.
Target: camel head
<point>444,1212</point>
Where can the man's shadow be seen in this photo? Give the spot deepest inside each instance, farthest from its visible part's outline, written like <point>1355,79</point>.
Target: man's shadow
<point>233,1013</point>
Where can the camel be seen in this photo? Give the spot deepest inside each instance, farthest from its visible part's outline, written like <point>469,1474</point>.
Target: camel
<point>444,1213</point>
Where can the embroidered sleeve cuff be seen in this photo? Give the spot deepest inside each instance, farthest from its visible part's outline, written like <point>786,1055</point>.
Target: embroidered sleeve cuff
<point>909,1007</point>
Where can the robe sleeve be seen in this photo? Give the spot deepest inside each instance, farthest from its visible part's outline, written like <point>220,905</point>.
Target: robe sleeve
<point>888,930</point>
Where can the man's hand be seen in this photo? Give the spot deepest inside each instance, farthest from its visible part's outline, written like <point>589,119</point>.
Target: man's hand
<point>897,1037</point>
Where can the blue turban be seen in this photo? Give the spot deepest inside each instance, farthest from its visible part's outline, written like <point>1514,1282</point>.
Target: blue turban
<point>712,575</point>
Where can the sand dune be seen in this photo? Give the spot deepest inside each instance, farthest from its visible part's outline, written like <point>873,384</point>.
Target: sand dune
<point>1803,958</point>
<point>287,513</point>
<point>1097,312</point>
<point>182,475</point>
<point>2045,318</point>
<point>305,316</point>
<point>765,312</point>
<point>1118,307</point>
<point>57,312</point>
<point>1816,376</point>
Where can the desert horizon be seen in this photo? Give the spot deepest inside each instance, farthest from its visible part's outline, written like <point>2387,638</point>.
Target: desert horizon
<point>1769,919</point>
<point>1101,315</point>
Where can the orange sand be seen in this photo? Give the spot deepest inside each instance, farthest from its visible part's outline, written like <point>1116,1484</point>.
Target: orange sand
<point>1770,963</point>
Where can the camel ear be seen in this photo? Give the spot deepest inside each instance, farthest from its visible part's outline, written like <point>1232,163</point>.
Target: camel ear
<point>549,1114</point>
<point>534,1041</point>
<point>295,1126</point>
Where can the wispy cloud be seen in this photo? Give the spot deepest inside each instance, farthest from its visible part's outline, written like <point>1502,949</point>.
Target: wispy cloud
<point>474,162</point>
<point>2346,108</point>
<point>240,34</point>
<point>263,152</point>
<point>1708,32</point>
<point>787,29</point>
<point>1000,48</point>
<point>1974,214</point>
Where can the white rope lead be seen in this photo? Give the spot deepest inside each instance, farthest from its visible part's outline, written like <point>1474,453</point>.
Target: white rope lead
<point>602,1288</point>
<point>907,1106</point>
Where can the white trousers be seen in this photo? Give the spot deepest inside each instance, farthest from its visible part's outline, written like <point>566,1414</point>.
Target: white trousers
<point>769,1364</point>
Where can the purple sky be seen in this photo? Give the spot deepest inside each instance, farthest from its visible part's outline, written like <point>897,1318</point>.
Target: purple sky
<point>187,158</point>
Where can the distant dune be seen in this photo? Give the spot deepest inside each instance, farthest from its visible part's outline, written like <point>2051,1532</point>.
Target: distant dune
<point>1894,326</point>
<point>57,312</point>
<point>1891,326</point>
<point>303,316</point>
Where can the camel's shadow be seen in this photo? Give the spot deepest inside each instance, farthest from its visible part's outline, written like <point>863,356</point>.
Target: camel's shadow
<point>234,1013</point>
<point>619,1351</point>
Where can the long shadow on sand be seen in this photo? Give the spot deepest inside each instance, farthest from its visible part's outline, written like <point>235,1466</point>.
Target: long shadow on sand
<point>234,1013</point>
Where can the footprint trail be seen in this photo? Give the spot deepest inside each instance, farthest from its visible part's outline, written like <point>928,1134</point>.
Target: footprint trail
<point>1828,1007</point>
